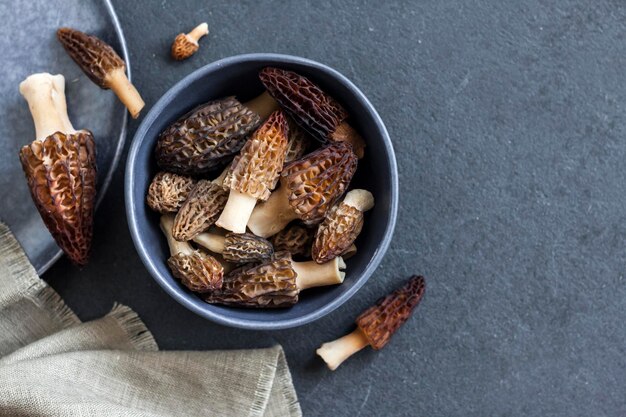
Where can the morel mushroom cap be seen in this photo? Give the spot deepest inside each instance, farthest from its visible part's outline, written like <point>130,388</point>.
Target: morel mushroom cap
<point>312,108</point>
<point>200,210</point>
<point>206,137</point>
<point>298,143</point>
<point>295,239</point>
<point>102,65</point>
<point>186,44</point>
<point>60,167</point>
<point>254,172</point>
<point>275,283</point>
<point>168,192</point>
<point>198,271</point>
<point>377,324</point>
<point>309,188</point>
<point>341,226</point>
<point>238,248</point>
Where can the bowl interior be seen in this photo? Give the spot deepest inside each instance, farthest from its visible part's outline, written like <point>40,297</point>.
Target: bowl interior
<point>238,76</point>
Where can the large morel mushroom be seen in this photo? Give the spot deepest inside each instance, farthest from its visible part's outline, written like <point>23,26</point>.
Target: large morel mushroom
<point>167,192</point>
<point>60,167</point>
<point>238,248</point>
<point>309,188</point>
<point>200,211</point>
<point>102,65</point>
<point>198,271</point>
<point>312,108</point>
<point>377,324</point>
<point>254,172</point>
<point>275,283</point>
<point>341,226</point>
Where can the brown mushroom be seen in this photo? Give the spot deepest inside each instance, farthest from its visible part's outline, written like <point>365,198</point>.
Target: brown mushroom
<point>298,143</point>
<point>309,188</point>
<point>275,283</point>
<point>168,192</point>
<point>377,324</point>
<point>295,239</point>
<point>102,65</point>
<point>205,138</point>
<point>311,108</point>
<point>60,167</point>
<point>341,226</point>
<point>239,248</point>
<point>198,271</point>
<point>254,172</point>
<point>186,44</point>
<point>200,211</point>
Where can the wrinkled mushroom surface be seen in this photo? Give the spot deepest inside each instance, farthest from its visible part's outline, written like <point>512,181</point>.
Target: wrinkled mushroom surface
<point>245,247</point>
<point>206,137</point>
<point>299,141</point>
<point>295,239</point>
<point>186,44</point>
<point>168,192</point>
<point>200,210</point>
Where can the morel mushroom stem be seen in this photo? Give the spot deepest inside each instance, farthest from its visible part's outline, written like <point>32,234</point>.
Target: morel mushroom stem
<point>45,95</point>
<point>125,91</point>
<point>199,31</point>
<point>312,274</point>
<point>273,215</point>
<point>176,247</point>
<point>239,206</point>
<point>214,243</point>
<point>263,105</point>
<point>337,351</point>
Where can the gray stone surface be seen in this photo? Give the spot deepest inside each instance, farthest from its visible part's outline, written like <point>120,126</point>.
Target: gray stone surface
<point>508,121</point>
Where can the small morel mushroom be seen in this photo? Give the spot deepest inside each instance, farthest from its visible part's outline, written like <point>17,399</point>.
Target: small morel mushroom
<point>275,283</point>
<point>309,188</point>
<point>239,248</point>
<point>254,172</point>
<point>198,271</point>
<point>102,65</point>
<point>205,138</point>
<point>295,239</point>
<point>200,211</point>
<point>377,324</point>
<point>298,143</point>
<point>341,226</point>
<point>186,44</point>
<point>312,108</point>
<point>60,167</point>
<point>168,192</point>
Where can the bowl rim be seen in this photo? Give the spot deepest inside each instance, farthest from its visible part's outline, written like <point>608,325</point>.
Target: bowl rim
<point>171,288</point>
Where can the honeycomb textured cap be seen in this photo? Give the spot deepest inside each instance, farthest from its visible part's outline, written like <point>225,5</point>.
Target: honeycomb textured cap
<point>61,174</point>
<point>94,56</point>
<point>269,285</point>
<point>241,248</point>
<point>313,109</point>
<point>316,181</point>
<point>183,47</point>
<point>197,271</point>
<point>255,171</point>
<point>299,141</point>
<point>379,322</point>
<point>205,138</point>
<point>337,232</point>
<point>295,239</point>
<point>168,192</point>
<point>200,211</point>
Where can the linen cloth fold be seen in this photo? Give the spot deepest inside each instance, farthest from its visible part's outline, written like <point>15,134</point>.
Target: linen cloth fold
<point>51,364</point>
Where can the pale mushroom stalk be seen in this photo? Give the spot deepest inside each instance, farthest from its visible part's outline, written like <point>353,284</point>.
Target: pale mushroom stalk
<point>199,31</point>
<point>263,105</point>
<point>119,83</point>
<point>312,274</point>
<point>214,243</point>
<point>337,351</point>
<point>273,215</point>
<point>237,211</point>
<point>60,167</point>
<point>176,246</point>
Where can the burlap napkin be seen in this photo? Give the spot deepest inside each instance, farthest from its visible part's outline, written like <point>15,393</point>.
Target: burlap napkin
<point>51,364</point>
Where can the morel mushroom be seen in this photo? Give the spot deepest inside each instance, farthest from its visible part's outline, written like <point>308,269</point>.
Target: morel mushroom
<point>295,239</point>
<point>237,248</point>
<point>102,65</point>
<point>309,188</point>
<point>312,108</point>
<point>200,210</point>
<point>186,44</point>
<point>205,138</point>
<point>341,226</point>
<point>377,324</point>
<point>299,141</point>
<point>168,192</point>
<point>254,172</point>
<point>198,271</point>
<point>60,167</point>
<point>276,283</point>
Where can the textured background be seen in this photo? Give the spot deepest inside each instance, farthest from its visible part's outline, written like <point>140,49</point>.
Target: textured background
<point>508,122</point>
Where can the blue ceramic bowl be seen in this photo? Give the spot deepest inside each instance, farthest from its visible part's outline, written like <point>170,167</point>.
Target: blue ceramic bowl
<point>238,75</point>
